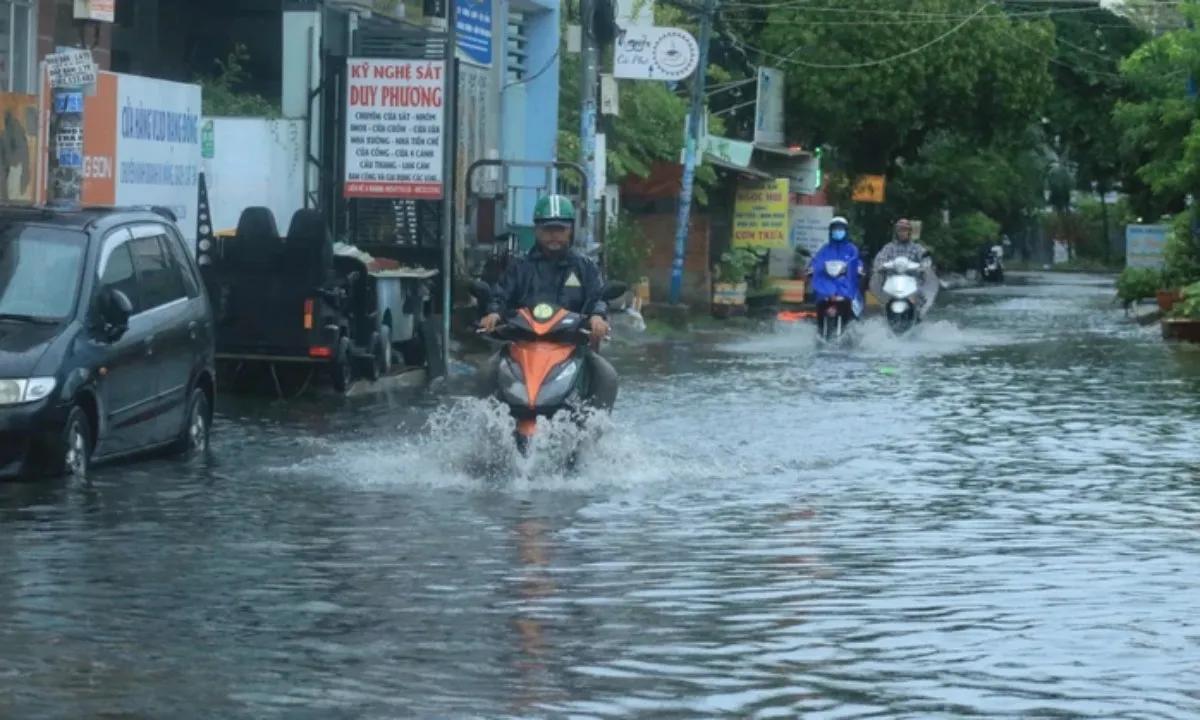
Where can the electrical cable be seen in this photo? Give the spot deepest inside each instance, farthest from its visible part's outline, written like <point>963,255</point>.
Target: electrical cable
<point>881,61</point>
<point>549,63</point>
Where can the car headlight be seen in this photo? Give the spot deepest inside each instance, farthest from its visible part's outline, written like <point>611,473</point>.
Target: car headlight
<point>25,390</point>
<point>562,382</point>
<point>512,386</point>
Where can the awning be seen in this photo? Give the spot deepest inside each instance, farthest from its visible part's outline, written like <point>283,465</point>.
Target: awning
<point>782,150</point>
<point>733,167</point>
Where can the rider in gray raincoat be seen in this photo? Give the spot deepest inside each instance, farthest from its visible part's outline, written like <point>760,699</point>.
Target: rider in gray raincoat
<point>902,245</point>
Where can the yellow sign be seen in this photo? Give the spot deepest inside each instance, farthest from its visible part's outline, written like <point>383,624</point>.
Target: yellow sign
<point>543,312</point>
<point>760,214</point>
<point>870,189</point>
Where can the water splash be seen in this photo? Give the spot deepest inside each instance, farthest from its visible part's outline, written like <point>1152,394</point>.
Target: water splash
<point>873,339</point>
<point>470,444</point>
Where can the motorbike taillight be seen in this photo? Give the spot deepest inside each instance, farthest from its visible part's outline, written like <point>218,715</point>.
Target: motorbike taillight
<point>831,311</point>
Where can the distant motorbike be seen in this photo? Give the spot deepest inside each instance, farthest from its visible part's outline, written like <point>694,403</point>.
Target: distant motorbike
<point>541,369</point>
<point>835,293</point>
<point>993,265</point>
<point>901,288</point>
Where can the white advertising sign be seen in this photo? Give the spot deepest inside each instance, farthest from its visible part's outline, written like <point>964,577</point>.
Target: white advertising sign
<point>768,116</point>
<point>394,129</point>
<point>104,11</point>
<point>810,226</point>
<point>157,151</point>
<point>655,53</point>
<point>71,69</point>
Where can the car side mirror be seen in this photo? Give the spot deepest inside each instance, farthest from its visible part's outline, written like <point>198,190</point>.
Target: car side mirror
<point>613,290</point>
<point>479,290</point>
<point>115,310</point>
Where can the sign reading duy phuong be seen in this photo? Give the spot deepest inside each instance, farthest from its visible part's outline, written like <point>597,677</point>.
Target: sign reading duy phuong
<point>395,116</point>
<point>760,214</point>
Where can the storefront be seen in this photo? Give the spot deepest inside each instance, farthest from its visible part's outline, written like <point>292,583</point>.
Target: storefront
<point>18,45</point>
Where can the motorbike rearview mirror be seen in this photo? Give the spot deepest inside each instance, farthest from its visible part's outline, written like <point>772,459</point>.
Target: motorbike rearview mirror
<point>613,290</point>
<point>479,290</point>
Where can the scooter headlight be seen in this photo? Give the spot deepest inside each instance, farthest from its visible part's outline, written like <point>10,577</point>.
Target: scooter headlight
<point>560,383</point>
<point>899,306</point>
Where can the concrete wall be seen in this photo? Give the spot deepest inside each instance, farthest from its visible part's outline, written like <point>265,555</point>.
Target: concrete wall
<point>659,230</point>
<point>530,108</point>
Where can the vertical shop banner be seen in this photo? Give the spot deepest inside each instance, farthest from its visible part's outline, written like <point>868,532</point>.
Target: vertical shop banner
<point>760,214</point>
<point>473,24</point>
<point>394,128</point>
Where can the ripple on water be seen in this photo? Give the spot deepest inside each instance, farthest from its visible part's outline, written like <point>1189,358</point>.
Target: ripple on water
<point>1003,527</point>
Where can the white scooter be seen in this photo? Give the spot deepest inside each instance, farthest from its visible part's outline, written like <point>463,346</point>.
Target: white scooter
<point>993,265</point>
<point>901,288</point>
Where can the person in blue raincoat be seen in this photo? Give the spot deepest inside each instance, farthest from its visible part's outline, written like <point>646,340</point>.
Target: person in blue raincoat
<point>848,284</point>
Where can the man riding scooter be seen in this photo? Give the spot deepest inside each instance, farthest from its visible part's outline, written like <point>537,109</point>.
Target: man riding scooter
<point>837,271</point>
<point>902,246</point>
<point>554,273</point>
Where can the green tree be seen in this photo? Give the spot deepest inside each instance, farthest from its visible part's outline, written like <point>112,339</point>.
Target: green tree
<point>650,127</point>
<point>1158,121</point>
<point>220,94</point>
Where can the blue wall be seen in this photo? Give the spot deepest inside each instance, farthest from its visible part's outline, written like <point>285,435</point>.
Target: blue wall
<point>530,109</point>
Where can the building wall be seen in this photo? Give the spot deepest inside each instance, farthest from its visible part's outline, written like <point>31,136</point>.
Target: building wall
<point>56,28</point>
<point>659,231</point>
<point>530,108</point>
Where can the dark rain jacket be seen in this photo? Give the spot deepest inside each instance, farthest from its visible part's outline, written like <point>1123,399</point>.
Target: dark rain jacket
<point>571,282</point>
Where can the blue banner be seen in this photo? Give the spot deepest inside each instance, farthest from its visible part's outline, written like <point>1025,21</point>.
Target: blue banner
<point>68,102</point>
<point>474,28</point>
<point>70,158</point>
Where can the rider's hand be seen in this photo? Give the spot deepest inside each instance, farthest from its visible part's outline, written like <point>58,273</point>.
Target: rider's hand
<point>599,329</point>
<point>489,322</point>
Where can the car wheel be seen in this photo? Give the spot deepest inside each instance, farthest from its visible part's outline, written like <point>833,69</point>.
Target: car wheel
<point>341,370</point>
<point>73,455</point>
<point>196,434</point>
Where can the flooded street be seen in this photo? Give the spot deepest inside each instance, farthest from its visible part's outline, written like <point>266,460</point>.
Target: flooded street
<point>998,519</point>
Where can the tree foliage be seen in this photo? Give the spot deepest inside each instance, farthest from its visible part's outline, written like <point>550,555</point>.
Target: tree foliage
<point>650,126</point>
<point>220,94</point>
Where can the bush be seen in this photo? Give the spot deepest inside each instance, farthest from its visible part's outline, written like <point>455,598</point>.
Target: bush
<point>1134,284</point>
<point>626,250</point>
<point>1182,253</point>
<point>736,265</point>
<point>1189,305</point>
<point>955,247</point>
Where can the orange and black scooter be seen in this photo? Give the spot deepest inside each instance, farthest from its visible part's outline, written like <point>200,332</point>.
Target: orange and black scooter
<point>541,369</point>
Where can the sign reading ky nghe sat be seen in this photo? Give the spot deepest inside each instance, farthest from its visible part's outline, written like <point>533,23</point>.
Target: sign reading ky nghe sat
<point>394,129</point>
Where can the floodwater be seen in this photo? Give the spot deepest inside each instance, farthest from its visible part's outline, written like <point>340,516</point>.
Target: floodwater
<point>998,519</point>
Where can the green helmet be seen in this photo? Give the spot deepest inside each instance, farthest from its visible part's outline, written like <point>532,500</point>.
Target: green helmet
<point>554,209</point>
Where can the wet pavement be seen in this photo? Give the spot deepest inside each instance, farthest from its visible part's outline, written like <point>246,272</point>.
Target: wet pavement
<point>998,519</point>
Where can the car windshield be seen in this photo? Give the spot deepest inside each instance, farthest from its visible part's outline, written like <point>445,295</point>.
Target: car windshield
<point>40,269</point>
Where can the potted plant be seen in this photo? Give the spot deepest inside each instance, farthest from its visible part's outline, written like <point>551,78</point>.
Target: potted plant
<point>729,288</point>
<point>1183,323</point>
<point>1137,284</point>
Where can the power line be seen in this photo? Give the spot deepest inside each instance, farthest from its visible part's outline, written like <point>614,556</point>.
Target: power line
<point>881,61</point>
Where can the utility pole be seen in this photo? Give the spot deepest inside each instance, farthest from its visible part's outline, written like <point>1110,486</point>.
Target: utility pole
<point>695,120</point>
<point>589,60</point>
